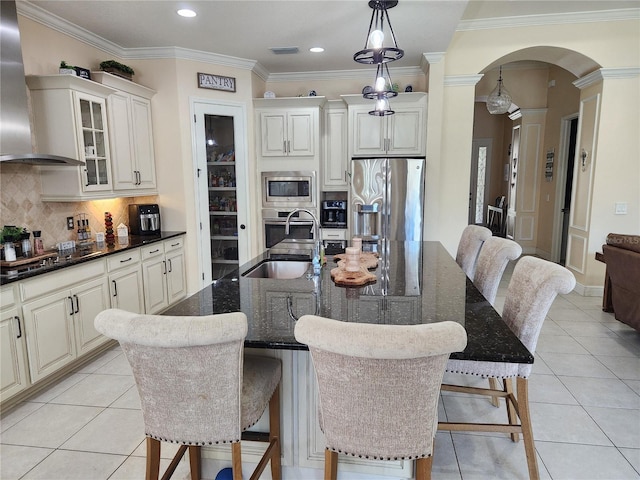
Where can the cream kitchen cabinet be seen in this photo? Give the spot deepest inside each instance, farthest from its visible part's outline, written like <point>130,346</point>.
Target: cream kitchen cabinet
<point>70,120</point>
<point>289,133</point>
<point>59,313</point>
<point>14,376</point>
<point>163,274</point>
<point>125,281</point>
<point>335,154</point>
<point>403,133</point>
<point>130,135</point>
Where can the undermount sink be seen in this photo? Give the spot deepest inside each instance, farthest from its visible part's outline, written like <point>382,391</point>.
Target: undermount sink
<point>280,269</point>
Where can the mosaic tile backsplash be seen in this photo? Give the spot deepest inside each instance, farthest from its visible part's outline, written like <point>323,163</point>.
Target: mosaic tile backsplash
<point>21,206</point>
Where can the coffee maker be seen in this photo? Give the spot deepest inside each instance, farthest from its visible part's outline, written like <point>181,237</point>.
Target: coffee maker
<point>144,219</point>
<point>333,214</point>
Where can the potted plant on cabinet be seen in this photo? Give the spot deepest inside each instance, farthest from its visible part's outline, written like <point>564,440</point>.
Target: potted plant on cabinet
<point>117,68</point>
<point>66,69</point>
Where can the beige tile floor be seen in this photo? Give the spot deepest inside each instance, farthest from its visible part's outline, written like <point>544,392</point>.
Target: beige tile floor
<point>585,406</point>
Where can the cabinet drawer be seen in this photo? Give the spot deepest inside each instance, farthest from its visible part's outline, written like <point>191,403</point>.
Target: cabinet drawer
<point>65,278</point>
<point>173,244</point>
<point>7,296</point>
<point>153,250</point>
<point>334,234</point>
<point>122,260</point>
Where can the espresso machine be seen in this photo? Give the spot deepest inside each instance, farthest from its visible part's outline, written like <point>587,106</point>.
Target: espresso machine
<point>144,219</point>
<point>333,214</point>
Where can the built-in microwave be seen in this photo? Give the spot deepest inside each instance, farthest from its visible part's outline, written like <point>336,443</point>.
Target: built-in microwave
<point>289,189</point>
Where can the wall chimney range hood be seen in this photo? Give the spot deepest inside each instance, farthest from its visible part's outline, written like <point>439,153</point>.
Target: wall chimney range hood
<point>15,129</point>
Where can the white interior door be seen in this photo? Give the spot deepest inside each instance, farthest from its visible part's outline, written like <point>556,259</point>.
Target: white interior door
<point>222,183</point>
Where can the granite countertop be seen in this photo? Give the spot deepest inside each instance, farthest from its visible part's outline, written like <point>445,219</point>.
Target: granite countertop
<point>416,282</point>
<point>69,258</point>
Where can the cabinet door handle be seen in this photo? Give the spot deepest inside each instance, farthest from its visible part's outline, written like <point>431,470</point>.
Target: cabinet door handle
<point>284,146</point>
<point>288,146</point>
<point>127,260</point>
<point>86,174</point>
<point>71,302</point>
<point>164,262</point>
<point>170,266</point>
<point>77,304</point>
<point>115,288</point>
<point>19,327</point>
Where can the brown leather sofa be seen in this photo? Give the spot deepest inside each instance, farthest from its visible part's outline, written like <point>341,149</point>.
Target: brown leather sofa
<point>622,256</point>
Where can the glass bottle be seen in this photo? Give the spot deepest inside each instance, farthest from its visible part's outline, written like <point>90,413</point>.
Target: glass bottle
<point>38,245</point>
<point>9,252</point>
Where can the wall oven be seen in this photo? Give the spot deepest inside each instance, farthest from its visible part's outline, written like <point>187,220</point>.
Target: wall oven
<point>300,226</point>
<point>289,190</point>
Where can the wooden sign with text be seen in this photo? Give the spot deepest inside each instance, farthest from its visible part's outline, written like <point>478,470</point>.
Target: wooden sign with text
<point>216,82</point>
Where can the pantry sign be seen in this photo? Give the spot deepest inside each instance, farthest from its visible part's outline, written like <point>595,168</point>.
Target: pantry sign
<point>216,82</point>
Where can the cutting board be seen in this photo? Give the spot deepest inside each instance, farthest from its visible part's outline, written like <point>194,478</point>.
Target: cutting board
<point>352,279</point>
<point>26,260</point>
<point>367,260</point>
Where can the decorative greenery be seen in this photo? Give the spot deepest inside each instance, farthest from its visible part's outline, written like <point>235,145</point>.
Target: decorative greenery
<point>10,233</point>
<point>117,66</point>
<point>64,64</point>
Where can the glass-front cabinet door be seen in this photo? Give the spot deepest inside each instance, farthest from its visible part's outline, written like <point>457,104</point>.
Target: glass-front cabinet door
<point>93,143</point>
<point>223,201</point>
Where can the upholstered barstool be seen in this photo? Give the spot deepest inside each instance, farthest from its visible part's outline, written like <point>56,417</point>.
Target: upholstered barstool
<point>471,240</point>
<point>534,285</point>
<point>378,387</point>
<point>196,386</point>
<point>493,258</point>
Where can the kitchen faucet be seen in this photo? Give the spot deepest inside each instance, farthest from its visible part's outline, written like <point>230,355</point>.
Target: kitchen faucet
<point>317,231</point>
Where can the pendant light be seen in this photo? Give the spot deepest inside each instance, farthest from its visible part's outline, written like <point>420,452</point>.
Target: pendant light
<point>380,49</point>
<point>499,100</point>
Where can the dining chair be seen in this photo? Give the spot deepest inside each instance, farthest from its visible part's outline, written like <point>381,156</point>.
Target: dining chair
<point>471,240</point>
<point>534,285</point>
<point>196,386</point>
<point>378,387</point>
<point>495,254</point>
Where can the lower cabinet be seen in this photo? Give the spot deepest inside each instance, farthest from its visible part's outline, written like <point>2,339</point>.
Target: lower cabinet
<point>163,274</point>
<point>13,374</point>
<point>60,326</point>
<point>125,281</point>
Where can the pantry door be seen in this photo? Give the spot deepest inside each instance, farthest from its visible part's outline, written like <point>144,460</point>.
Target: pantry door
<point>220,138</point>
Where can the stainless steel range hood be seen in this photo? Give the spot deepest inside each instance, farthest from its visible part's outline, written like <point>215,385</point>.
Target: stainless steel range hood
<point>15,129</point>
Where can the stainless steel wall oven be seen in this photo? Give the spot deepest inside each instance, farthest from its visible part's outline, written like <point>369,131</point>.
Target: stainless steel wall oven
<point>300,226</point>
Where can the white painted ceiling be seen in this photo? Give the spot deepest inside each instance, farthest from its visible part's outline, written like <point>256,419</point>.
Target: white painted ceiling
<point>246,29</point>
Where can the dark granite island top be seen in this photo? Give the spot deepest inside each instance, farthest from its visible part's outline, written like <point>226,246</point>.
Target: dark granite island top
<point>416,282</point>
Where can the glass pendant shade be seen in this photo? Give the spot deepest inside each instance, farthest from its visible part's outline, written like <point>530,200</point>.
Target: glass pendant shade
<point>499,100</point>
<point>382,107</point>
<point>382,87</point>
<point>375,51</point>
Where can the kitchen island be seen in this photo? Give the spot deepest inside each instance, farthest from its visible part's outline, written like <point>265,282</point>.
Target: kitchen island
<point>416,282</point>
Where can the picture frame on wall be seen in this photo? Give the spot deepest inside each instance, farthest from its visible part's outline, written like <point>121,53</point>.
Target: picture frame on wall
<point>216,82</point>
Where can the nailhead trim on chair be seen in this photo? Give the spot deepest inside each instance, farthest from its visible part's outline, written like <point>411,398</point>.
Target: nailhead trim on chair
<point>183,442</point>
<point>375,457</point>
<point>479,375</point>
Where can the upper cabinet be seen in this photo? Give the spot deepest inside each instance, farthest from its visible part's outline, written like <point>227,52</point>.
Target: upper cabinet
<point>130,136</point>
<point>70,120</point>
<point>403,133</point>
<point>335,156</point>
<point>289,132</point>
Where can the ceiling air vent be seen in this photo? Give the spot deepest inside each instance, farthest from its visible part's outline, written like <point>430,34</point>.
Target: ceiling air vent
<point>284,50</point>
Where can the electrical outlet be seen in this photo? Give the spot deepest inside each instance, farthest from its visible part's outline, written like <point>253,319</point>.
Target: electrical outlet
<point>69,223</point>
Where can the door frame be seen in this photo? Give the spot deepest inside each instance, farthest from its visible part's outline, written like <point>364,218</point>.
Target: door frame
<point>198,108</point>
<point>561,179</point>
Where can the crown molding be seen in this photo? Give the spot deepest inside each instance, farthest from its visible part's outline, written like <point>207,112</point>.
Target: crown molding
<point>549,19</point>
<point>608,74</point>
<point>461,80</point>
<point>359,74</point>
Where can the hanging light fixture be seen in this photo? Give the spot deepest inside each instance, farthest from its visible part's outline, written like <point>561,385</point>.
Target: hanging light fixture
<point>380,49</point>
<point>499,100</point>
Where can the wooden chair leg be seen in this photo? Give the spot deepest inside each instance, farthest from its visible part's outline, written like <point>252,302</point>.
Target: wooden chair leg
<point>330,465</point>
<point>153,459</point>
<point>423,468</point>
<point>236,460</point>
<point>274,434</point>
<point>195,463</point>
<point>511,409</point>
<point>522,387</point>
<point>493,384</point>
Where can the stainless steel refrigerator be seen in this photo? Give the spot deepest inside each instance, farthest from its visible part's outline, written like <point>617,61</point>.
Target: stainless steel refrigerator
<point>387,197</point>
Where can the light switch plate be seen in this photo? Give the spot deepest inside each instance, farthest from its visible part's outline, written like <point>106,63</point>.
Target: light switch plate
<point>621,208</point>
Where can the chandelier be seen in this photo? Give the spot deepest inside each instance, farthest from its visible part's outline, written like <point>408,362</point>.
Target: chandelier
<point>499,100</point>
<point>380,49</point>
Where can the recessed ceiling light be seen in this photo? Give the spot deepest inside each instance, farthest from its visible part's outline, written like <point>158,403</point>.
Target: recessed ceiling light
<point>316,49</point>
<point>185,12</point>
